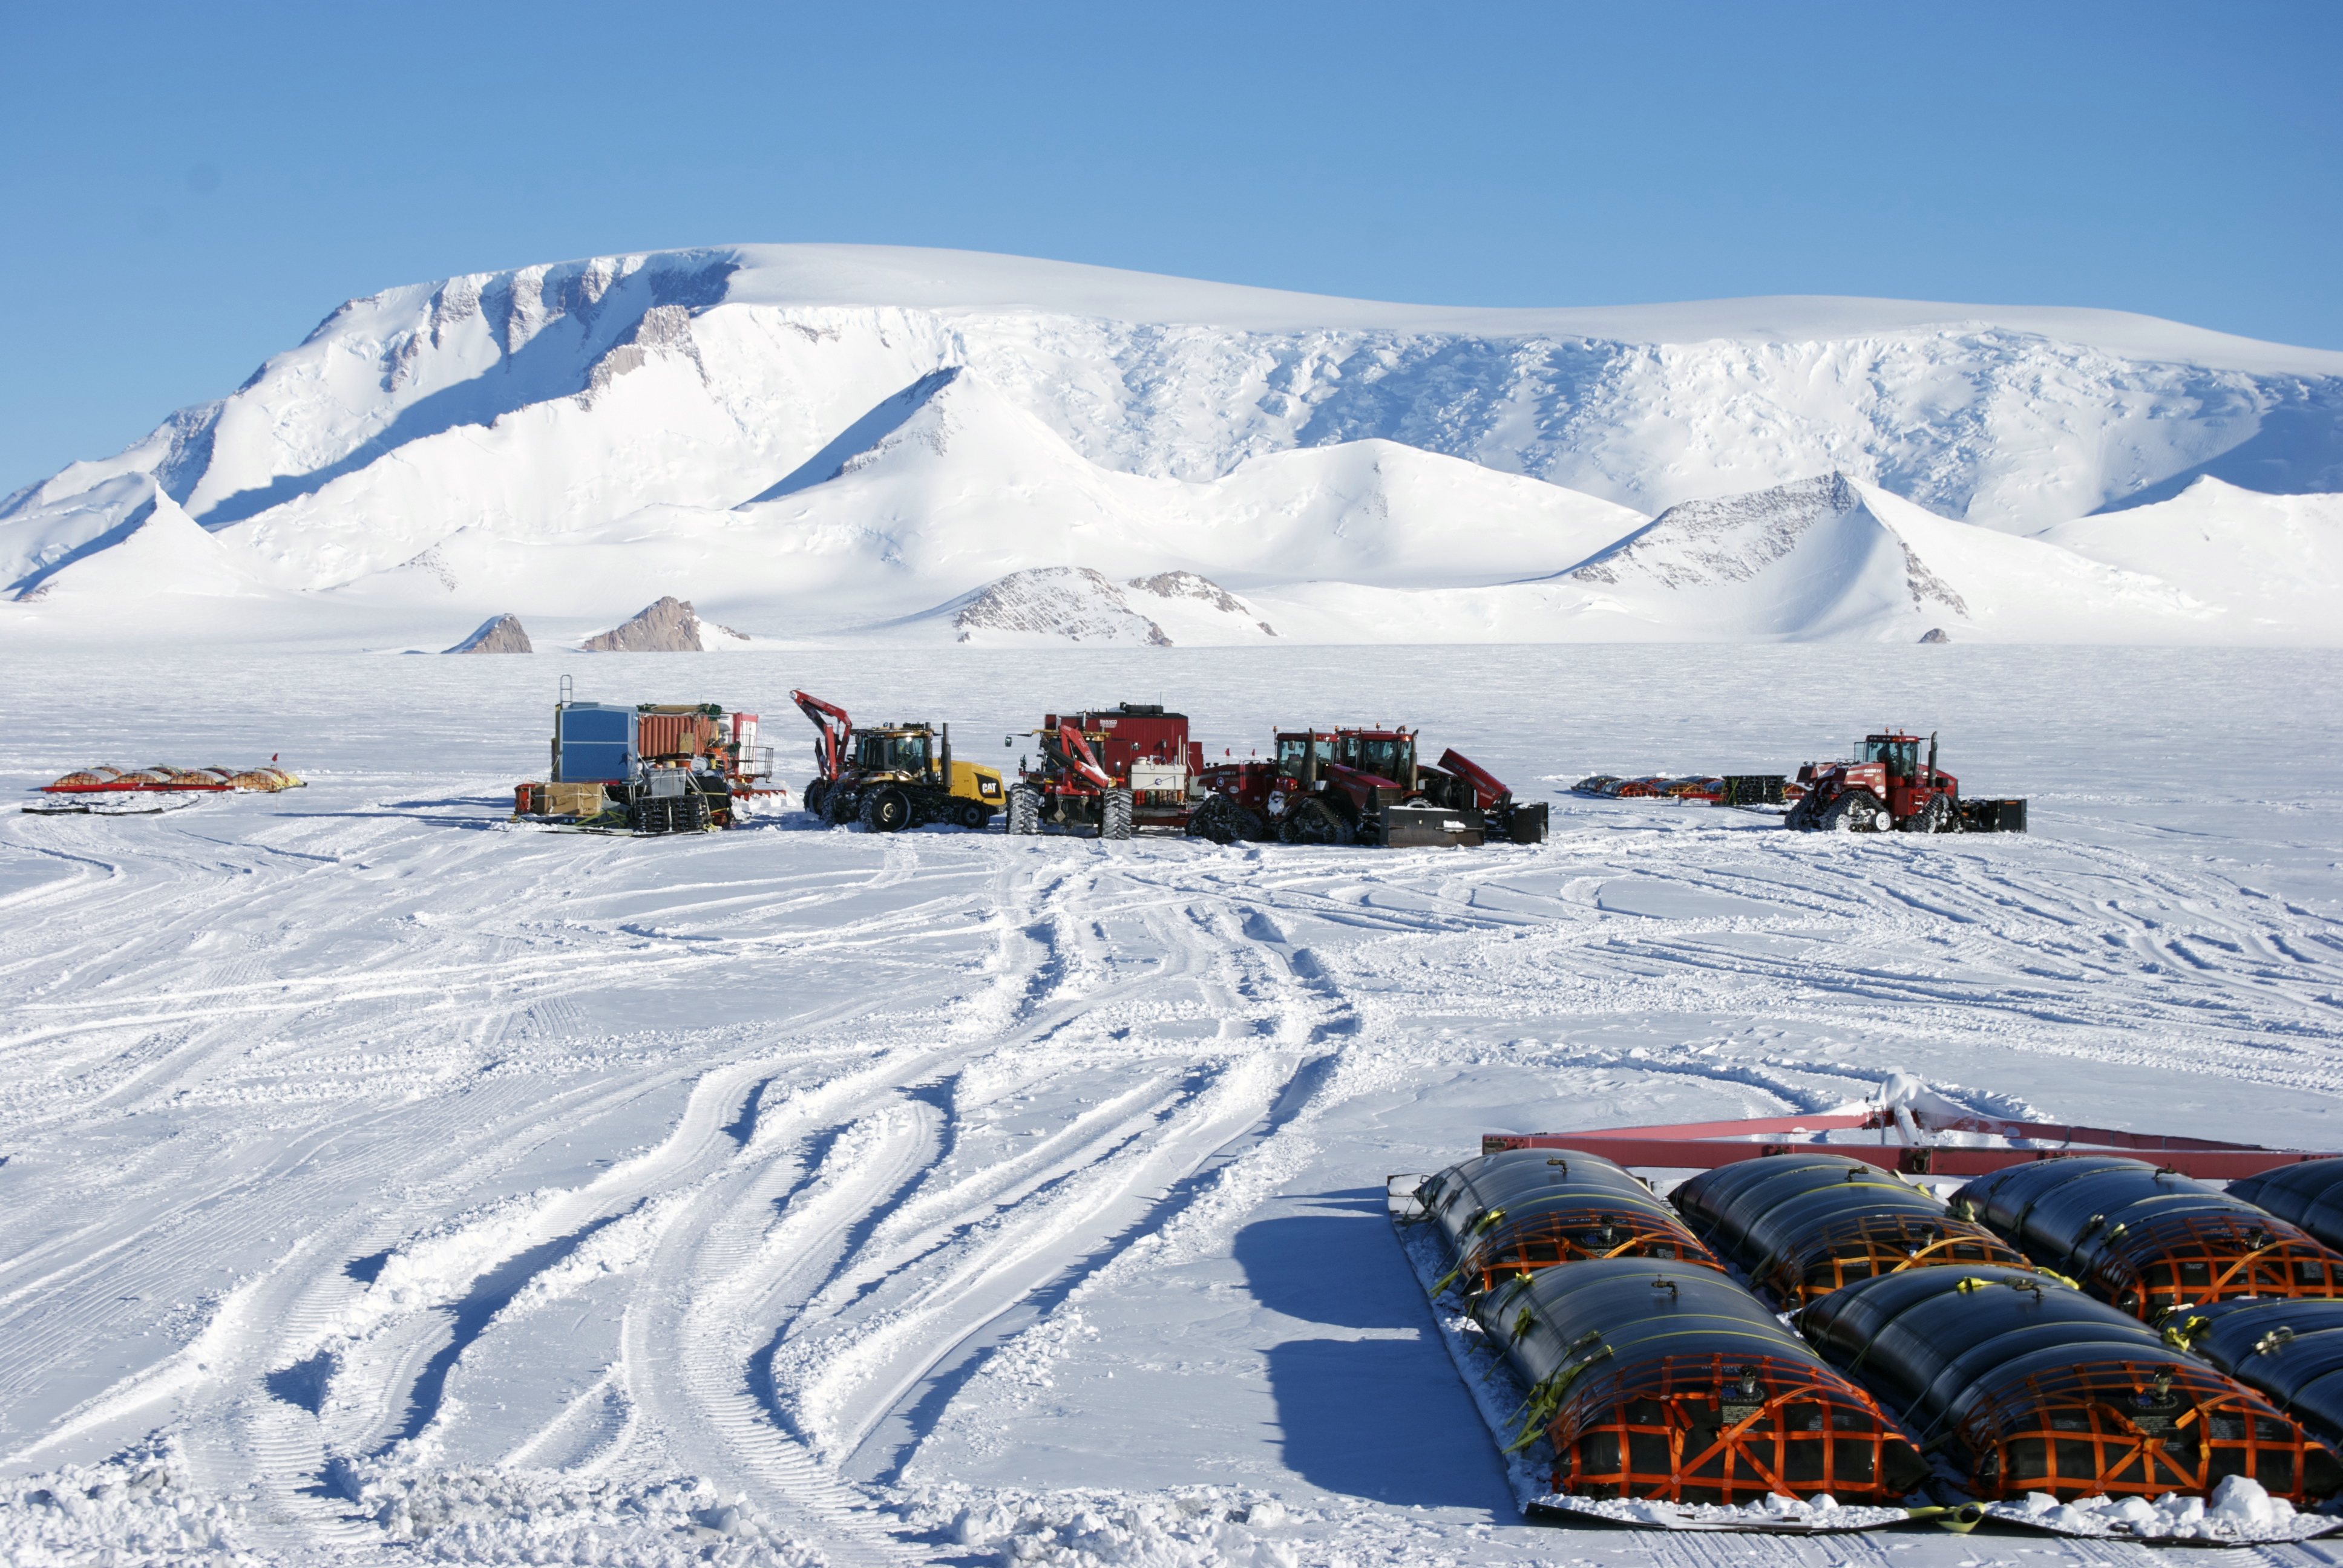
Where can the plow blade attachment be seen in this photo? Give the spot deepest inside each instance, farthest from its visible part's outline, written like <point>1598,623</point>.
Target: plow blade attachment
<point>1751,789</point>
<point>1525,821</point>
<point>1431,827</point>
<point>1993,816</point>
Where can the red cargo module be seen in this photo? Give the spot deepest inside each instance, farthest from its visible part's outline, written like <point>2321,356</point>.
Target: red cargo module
<point>690,733</point>
<point>1113,770</point>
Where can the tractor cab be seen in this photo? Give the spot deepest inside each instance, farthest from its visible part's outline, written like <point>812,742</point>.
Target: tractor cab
<point>1385,753</point>
<point>1896,771</point>
<point>1302,757</point>
<point>898,752</point>
<point>1901,753</point>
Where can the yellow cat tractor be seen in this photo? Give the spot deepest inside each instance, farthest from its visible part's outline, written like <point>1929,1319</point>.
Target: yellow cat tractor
<point>892,776</point>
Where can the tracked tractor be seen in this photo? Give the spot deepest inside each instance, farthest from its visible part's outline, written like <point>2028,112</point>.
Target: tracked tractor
<point>1113,771</point>
<point>1362,787</point>
<point>893,776</point>
<point>1893,786</point>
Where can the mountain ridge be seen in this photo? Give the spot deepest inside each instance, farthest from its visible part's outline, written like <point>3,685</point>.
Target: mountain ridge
<point>838,437</point>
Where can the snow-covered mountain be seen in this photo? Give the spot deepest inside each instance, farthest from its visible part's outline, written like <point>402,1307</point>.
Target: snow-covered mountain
<point>815,441</point>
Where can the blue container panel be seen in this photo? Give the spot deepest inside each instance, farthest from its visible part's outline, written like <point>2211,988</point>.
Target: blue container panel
<point>597,743</point>
<point>593,764</point>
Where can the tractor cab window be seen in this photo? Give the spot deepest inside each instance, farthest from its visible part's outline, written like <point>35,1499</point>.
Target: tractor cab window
<point>1293,750</point>
<point>1902,757</point>
<point>891,753</point>
<point>1387,758</point>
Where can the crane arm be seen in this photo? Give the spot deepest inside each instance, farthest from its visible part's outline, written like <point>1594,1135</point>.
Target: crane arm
<point>1072,753</point>
<point>835,727</point>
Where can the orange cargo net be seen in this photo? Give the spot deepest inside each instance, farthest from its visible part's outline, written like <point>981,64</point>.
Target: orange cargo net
<point>2187,1260</point>
<point>1722,1429</point>
<point>1541,1240</point>
<point>1875,1245</point>
<point>2134,1428</point>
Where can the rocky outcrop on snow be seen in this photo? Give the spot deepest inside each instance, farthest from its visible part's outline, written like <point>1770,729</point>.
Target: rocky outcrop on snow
<point>498,634</point>
<point>1079,604</point>
<point>662,327</point>
<point>1935,634</point>
<point>1197,608</point>
<point>1734,541</point>
<point>1073,604</point>
<point>1206,593</point>
<point>668,626</point>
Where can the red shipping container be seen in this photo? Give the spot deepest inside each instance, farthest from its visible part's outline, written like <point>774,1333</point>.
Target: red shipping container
<point>675,734</point>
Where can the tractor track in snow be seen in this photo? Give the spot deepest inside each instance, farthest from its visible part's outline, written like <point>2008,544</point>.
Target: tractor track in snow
<point>873,1109</point>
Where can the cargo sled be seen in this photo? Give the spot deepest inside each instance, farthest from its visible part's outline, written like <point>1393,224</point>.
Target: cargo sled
<point>1803,1338</point>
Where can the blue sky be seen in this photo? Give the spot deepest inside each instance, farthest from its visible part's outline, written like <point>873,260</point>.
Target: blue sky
<point>190,190</point>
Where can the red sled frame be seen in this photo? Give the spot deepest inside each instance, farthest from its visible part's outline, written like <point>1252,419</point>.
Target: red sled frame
<point>1704,1145</point>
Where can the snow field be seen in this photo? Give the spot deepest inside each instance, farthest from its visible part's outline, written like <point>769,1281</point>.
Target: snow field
<point>946,1197</point>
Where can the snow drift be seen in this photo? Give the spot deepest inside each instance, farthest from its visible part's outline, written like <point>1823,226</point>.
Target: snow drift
<point>825,440</point>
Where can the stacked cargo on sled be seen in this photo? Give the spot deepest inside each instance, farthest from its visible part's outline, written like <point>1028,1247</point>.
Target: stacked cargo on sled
<point>2089,1342</point>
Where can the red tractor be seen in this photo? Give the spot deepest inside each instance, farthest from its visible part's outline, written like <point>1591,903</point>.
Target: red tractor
<point>1894,786</point>
<point>1360,786</point>
<point>1112,769</point>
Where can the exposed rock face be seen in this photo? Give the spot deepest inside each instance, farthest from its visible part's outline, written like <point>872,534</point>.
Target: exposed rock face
<point>1727,540</point>
<point>497,634</point>
<point>1935,634</point>
<point>661,327</point>
<point>1072,602</point>
<point>1733,539</point>
<point>1188,584</point>
<point>670,626</point>
<point>434,565</point>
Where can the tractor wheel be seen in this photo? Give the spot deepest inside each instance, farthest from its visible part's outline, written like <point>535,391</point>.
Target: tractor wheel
<point>1024,810</point>
<point>887,810</point>
<point>972,814</point>
<point>1310,822</point>
<point>1115,815</point>
<point>811,797</point>
<point>839,805</point>
<point>1854,812</point>
<point>1937,817</point>
<point>1802,816</point>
